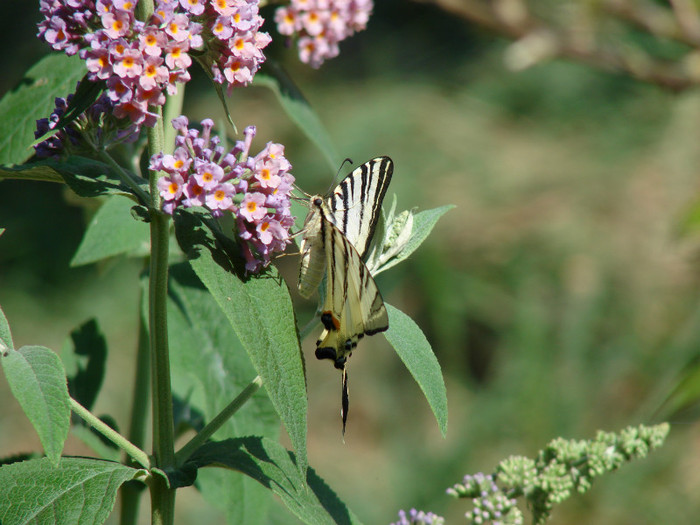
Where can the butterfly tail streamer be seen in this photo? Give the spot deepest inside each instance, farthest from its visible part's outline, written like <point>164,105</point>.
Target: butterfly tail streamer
<point>345,403</point>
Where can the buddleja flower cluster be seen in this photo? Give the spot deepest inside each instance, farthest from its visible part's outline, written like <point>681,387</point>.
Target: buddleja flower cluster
<point>418,517</point>
<point>490,503</point>
<point>319,25</point>
<point>95,128</point>
<point>139,61</point>
<point>255,189</point>
<point>564,467</point>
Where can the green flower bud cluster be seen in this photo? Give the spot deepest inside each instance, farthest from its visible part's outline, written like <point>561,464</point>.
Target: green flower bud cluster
<point>564,467</point>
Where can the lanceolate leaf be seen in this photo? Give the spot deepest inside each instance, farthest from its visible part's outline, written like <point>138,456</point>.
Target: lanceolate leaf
<point>90,178</point>
<point>415,352</point>
<point>209,369</point>
<point>269,463</point>
<point>423,224</point>
<point>39,171</point>
<point>5,335</point>
<point>112,231</point>
<point>53,76</point>
<point>38,381</point>
<point>86,177</point>
<point>260,311</point>
<point>298,109</point>
<point>79,490</point>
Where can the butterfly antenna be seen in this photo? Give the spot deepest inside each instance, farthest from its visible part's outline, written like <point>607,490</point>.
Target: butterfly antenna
<point>337,174</point>
<point>345,401</point>
<point>305,197</point>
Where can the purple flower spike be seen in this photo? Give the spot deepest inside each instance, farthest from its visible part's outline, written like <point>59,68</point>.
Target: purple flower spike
<point>255,189</point>
<point>141,61</point>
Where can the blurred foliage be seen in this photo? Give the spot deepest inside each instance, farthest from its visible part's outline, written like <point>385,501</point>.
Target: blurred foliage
<point>558,295</point>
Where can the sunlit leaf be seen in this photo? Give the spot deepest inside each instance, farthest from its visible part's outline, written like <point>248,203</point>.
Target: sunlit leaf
<point>53,76</point>
<point>209,369</point>
<point>78,490</point>
<point>112,231</point>
<point>5,334</point>
<point>260,311</point>
<point>38,381</point>
<point>270,464</point>
<point>415,352</point>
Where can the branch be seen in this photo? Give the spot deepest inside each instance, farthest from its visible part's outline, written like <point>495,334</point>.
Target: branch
<point>536,41</point>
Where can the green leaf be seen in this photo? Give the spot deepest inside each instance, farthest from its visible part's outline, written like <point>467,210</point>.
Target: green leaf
<point>53,76</point>
<point>209,369</point>
<point>270,464</point>
<point>423,224</point>
<point>298,109</point>
<point>5,334</point>
<point>86,177</point>
<point>112,231</point>
<point>260,312</point>
<point>209,366</point>
<point>415,352</point>
<point>91,178</point>
<point>79,490</point>
<point>38,381</point>
<point>84,356</point>
<point>86,94</point>
<point>37,171</point>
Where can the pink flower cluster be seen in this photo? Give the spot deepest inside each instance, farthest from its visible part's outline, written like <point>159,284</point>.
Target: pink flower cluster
<point>235,24</point>
<point>140,60</point>
<point>255,189</point>
<point>320,25</point>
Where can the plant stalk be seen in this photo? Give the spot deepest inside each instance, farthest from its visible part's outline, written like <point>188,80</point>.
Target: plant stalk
<point>115,437</point>
<point>162,497</point>
<point>203,435</point>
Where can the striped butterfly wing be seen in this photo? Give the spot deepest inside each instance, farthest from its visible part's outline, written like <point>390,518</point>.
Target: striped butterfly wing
<point>357,201</point>
<point>353,306</point>
<point>337,234</point>
<point>353,208</point>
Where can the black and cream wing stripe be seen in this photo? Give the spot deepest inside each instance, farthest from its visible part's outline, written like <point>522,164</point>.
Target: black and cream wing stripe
<point>353,306</point>
<point>357,201</point>
<point>337,234</point>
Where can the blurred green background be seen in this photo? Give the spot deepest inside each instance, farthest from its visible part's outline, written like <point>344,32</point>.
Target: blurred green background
<point>560,296</point>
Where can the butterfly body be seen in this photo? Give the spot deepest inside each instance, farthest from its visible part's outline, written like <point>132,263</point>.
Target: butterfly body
<point>337,235</point>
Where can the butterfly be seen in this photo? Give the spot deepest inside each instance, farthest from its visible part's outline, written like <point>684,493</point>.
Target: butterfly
<point>336,237</point>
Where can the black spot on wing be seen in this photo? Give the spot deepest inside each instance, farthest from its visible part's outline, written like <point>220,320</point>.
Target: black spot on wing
<point>325,352</point>
<point>327,320</point>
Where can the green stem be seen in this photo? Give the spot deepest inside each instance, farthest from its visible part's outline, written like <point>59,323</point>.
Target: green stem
<point>162,498</point>
<point>115,437</point>
<point>163,431</point>
<point>125,177</point>
<point>203,435</point>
